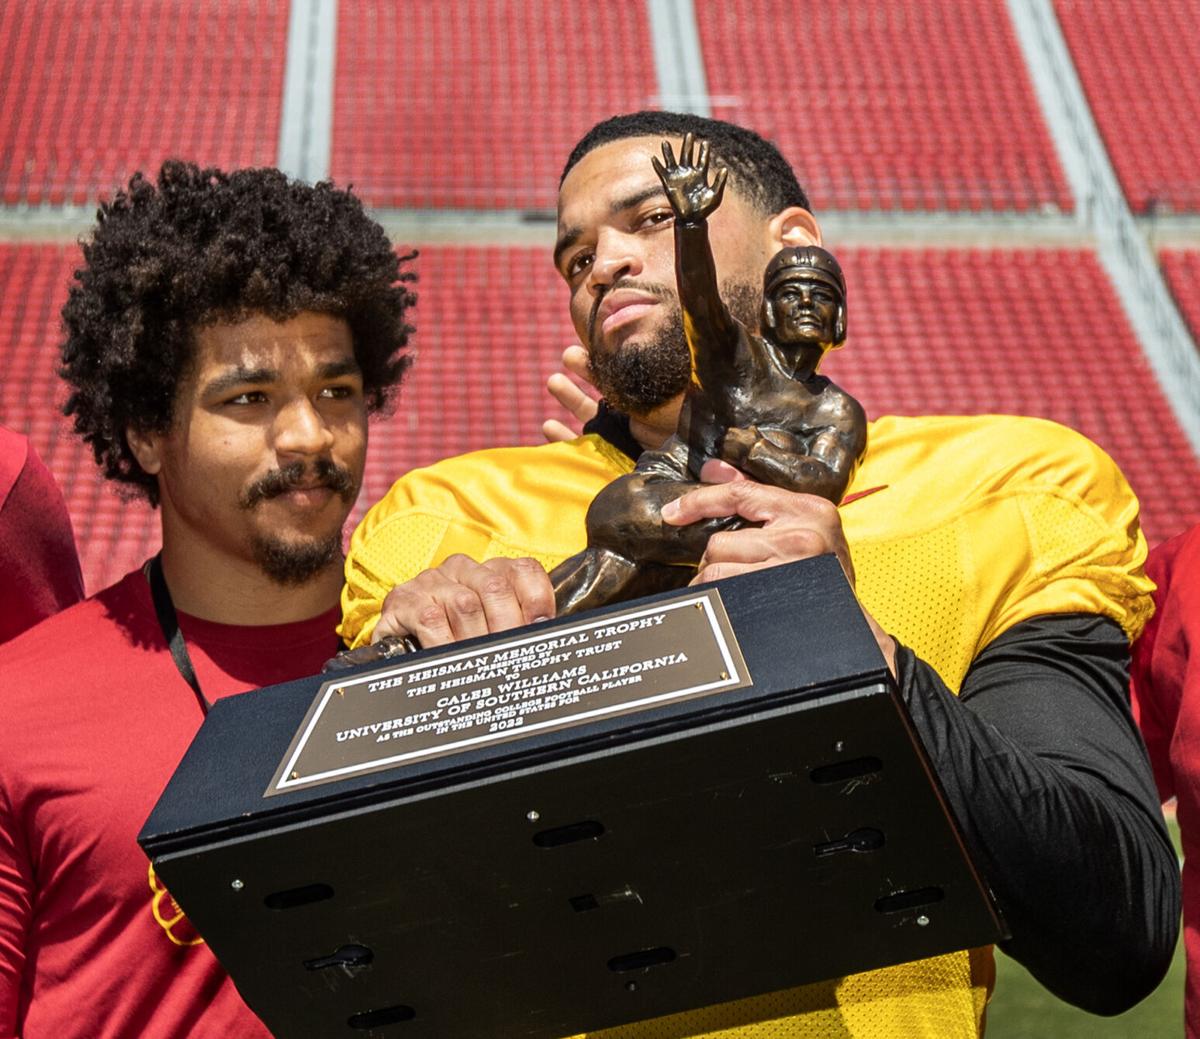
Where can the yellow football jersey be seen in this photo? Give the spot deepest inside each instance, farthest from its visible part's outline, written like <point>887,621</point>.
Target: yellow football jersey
<point>959,528</point>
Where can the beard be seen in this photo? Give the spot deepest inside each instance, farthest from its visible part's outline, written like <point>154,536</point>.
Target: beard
<point>297,562</point>
<point>638,378</point>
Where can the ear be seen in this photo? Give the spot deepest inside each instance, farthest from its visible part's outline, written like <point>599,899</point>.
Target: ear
<point>839,328</point>
<point>146,448</point>
<point>768,314</point>
<point>794,226</point>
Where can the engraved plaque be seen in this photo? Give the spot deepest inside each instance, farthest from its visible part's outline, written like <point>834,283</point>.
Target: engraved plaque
<point>643,657</point>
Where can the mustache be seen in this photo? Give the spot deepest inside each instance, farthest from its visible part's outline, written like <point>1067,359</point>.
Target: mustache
<point>323,473</point>
<point>659,292</point>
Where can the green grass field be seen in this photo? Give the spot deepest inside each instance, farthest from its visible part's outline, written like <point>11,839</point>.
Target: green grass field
<point>1022,1009</point>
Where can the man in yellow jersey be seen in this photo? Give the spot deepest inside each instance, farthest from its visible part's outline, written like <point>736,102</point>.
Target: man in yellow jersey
<point>997,559</point>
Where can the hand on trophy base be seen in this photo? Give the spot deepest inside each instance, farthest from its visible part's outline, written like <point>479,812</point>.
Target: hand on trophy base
<point>387,647</point>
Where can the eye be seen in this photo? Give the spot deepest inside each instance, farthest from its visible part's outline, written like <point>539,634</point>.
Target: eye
<point>656,217</point>
<point>249,397</point>
<point>338,392</point>
<point>577,264</point>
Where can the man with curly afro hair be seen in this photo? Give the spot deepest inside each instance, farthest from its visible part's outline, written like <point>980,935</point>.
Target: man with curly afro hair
<point>226,338</point>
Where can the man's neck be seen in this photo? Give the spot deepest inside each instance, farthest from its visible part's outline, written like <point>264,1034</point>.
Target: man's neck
<point>652,429</point>
<point>231,591</point>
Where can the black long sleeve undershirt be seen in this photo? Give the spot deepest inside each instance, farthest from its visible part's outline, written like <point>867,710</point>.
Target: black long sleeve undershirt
<point>1043,767</point>
<point>1041,762</point>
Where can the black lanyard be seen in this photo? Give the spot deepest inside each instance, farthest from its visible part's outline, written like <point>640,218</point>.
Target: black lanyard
<point>169,622</point>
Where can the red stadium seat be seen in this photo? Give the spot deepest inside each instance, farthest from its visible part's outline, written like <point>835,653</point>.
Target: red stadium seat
<point>1139,64</point>
<point>113,535</point>
<point>908,105</point>
<point>96,89</point>
<point>1182,270</point>
<point>1032,331</point>
<point>459,104</point>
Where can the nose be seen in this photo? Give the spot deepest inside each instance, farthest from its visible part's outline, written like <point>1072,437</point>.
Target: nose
<point>300,429</point>
<point>616,257</point>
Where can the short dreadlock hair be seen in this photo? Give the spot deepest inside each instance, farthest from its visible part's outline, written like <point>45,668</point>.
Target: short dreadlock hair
<point>761,174</point>
<point>200,246</point>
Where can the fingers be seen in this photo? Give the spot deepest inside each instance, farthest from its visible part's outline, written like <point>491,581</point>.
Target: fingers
<point>531,584</point>
<point>570,396</point>
<point>793,526</point>
<point>555,432</point>
<point>717,471</point>
<point>752,501</point>
<point>693,155</point>
<point>575,361</point>
<point>719,184</point>
<point>659,168</point>
<point>755,548</point>
<point>799,529</point>
<point>463,599</point>
<point>581,406</point>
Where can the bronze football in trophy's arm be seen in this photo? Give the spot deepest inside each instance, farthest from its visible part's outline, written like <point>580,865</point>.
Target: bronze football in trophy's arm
<point>755,401</point>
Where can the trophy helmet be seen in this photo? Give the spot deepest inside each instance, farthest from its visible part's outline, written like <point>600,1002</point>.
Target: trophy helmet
<point>808,263</point>
<point>787,265</point>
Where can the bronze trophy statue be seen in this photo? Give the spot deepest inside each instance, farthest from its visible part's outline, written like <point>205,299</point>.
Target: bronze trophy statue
<point>754,401</point>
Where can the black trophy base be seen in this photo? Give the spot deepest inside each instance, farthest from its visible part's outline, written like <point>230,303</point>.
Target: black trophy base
<point>613,871</point>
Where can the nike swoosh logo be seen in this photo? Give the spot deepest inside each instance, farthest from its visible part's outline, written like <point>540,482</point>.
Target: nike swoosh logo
<point>862,494</point>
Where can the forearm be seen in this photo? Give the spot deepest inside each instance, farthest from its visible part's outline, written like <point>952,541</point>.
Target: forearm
<point>1041,764</point>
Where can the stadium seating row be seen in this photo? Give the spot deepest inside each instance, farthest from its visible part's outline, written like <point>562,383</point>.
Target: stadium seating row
<point>876,118</point>
<point>1027,331</point>
<point>459,104</point>
<point>1140,68</point>
<point>87,104</point>
<point>1182,270</point>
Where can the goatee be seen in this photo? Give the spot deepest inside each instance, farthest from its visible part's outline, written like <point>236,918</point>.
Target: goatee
<point>296,563</point>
